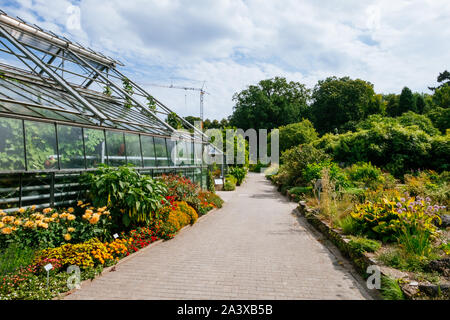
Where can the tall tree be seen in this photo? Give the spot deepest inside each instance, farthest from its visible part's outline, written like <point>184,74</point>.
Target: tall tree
<point>406,101</point>
<point>443,78</point>
<point>420,103</point>
<point>339,103</point>
<point>270,104</point>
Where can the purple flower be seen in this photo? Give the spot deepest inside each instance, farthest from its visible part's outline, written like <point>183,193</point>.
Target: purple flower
<point>399,205</point>
<point>427,199</point>
<point>399,211</point>
<point>402,199</point>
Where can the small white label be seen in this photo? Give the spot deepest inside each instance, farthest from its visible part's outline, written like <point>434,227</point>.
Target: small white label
<point>115,235</point>
<point>48,267</point>
<point>218,181</point>
<point>413,283</point>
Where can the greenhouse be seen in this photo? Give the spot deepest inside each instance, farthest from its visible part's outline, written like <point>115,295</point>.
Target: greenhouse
<point>65,109</point>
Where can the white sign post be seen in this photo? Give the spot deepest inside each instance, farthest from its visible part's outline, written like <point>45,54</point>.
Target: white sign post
<point>47,268</point>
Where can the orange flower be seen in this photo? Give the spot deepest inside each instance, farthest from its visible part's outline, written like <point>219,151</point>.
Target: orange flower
<point>6,230</point>
<point>70,210</point>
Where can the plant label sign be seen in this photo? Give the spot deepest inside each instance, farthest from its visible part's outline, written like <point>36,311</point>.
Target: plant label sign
<point>218,181</point>
<point>115,235</point>
<point>48,267</point>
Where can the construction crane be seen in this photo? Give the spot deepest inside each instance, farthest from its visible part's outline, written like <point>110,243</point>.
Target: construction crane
<point>201,90</point>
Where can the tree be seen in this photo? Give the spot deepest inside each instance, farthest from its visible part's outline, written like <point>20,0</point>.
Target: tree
<point>441,96</point>
<point>391,101</point>
<point>420,103</point>
<point>443,78</point>
<point>192,119</point>
<point>406,101</point>
<point>342,102</point>
<point>270,104</point>
<point>295,133</point>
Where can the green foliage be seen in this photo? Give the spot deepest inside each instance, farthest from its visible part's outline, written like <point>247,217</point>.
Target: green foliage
<point>294,134</point>
<point>182,188</point>
<point>151,103</point>
<point>229,185</point>
<point>406,101</point>
<point>390,289</point>
<point>211,185</point>
<point>361,244</point>
<point>128,88</point>
<point>418,243</point>
<point>337,176</point>
<point>340,102</point>
<point>15,256</point>
<point>348,225</point>
<point>107,91</point>
<point>400,259</point>
<point>174,121</point>
<point>270,104</point>
<point>387,219</point>
<point>239,173</point>
<point>133,198</point>
<point>440,117</point>
<point>363,174</point>
<point>295,161</point>
<point>441,96</point>
<point>300,190</point>
<point>257,167</point>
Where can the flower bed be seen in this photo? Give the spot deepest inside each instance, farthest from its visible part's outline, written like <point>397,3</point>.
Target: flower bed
<point>83,236</point>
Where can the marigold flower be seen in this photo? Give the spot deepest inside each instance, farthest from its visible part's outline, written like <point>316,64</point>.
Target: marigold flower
<point>71,217</point>
<point>94,219</point>
<point>71,229</point>
<point>55,215</point>
<point>6,230</point>
<point>21,210</point>
<point>47,210</point>
<point>2,214</point>
<point>88,211</point>
<point>70,210</point>
<point>67,237</point>
<point>18,222</point>
<point>79,203</point>
<point>33,207</point>
<point>29,224</point>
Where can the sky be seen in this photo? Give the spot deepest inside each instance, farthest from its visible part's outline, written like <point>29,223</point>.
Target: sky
<point>227,45</point>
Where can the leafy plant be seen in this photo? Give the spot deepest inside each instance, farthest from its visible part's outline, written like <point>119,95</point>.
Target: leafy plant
<point>361,244</point>
<point>133,198</point>
<point>239,173</point>
<point>128,88</point>
<point>390,289</point>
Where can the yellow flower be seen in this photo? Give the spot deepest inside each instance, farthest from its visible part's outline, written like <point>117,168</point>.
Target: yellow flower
<point>6,230</point>
<point>43,225</point>
<point>71,217</point>
<point>33,207</point>
<point>18,222</point>
<point>70,229</point>
<point>94,219</point>
<point>7,219</point>
<point>1,225</point>
<point>79,203</point>
<point>29,224</point>
<point>21,210</point>
<point>47,210</point>
<point>88,211</point>
<point>70,210</point>
<point>101,209</point>
<point>55,215</point>
<point>67,237</point>
<point>14,228</point>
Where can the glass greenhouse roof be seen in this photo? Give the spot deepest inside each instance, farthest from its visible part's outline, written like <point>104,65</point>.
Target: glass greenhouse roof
<point>63,82</point>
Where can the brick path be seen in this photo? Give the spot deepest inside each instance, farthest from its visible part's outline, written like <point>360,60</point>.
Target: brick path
<point>252,248</point>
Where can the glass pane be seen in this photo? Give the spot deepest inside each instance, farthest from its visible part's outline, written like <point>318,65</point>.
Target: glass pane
<point>9,190</point>
<point>116,148</point>
<point>133,147</point>
<point>70,146</point>
<point>171,149</point>
<point>182,153</point>
<point>94,143</point>
<point>198,153</point>
<point>190,153</point>
<point>41,145</point>
<point>198,176</point>
<point>204,178</point>
<point>148,151</point>
<point>161,152</point>
<point>12,156</point>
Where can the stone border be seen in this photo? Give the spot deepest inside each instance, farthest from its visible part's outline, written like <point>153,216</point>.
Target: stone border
<point>62,295</point>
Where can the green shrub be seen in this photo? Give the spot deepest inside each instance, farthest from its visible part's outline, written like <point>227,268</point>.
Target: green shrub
<point>239,173</point>
<point>312,172</point>
<point>348,225</point>
<point>390,289</point>
<point>229,186</point>
<point>132,197</point>
<point>361,244</point>
<point>364,174</point>
<point>301,190</point>
<point>417,243</point>
<point>15,256</point>
<point>295,134</point>
<point>295,161</point>
<point>400,259</point>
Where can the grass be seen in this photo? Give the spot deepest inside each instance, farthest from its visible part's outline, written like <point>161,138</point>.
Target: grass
<point>390,289</point>
<point>361,244</point>
<point>347,224</point>
<point>14,257</point>
<point>400,259</point>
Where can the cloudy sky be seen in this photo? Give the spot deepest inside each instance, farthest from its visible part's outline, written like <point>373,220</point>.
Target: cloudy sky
<point>231,44</point>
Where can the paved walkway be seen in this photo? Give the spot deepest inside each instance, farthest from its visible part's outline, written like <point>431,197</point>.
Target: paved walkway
<point>252,248</point>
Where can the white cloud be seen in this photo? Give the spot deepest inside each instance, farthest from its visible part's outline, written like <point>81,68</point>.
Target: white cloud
<point>232,44</point>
